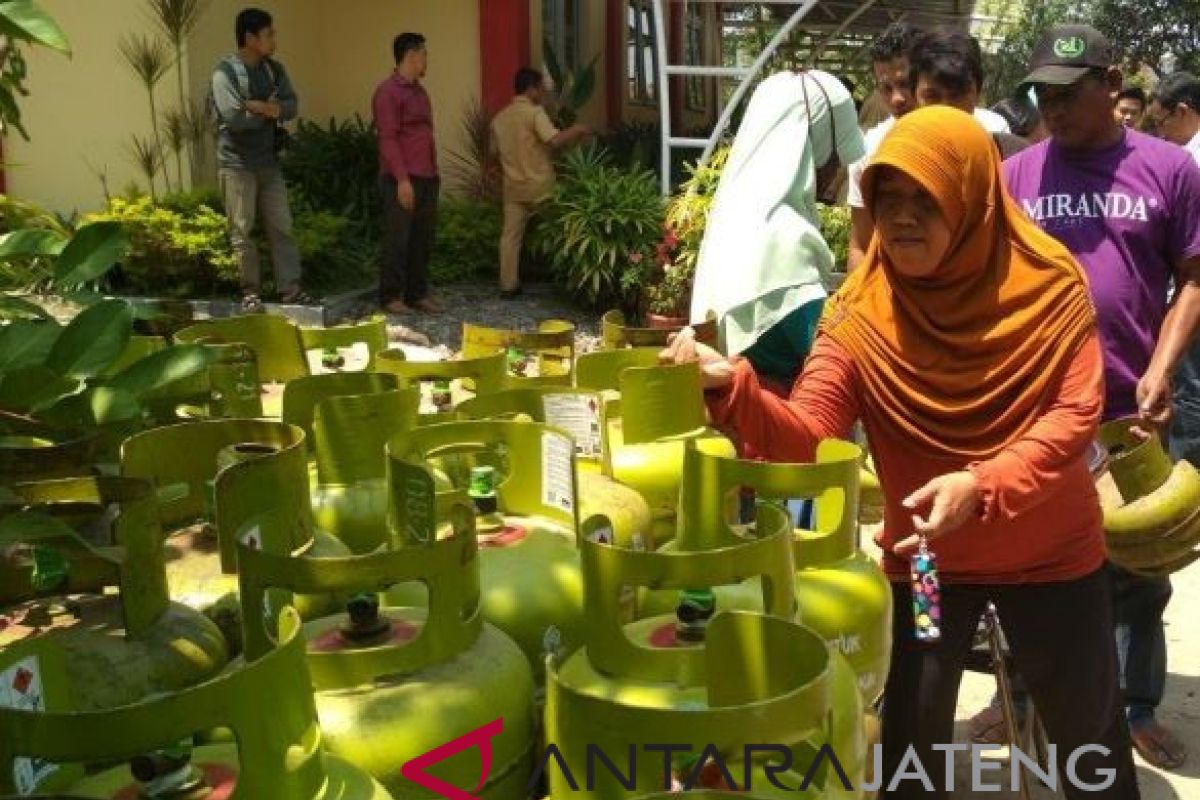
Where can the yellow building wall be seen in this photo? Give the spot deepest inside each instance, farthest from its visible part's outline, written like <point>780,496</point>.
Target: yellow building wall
<point>337,53</point>
<point>82,110</point>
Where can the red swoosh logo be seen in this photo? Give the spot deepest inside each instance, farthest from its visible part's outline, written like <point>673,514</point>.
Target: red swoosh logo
<point>481,737</point>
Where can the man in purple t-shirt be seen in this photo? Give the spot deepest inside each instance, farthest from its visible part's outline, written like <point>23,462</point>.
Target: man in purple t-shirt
<point>1128,206</point>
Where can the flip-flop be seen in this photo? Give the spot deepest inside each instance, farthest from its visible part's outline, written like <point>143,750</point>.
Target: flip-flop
<point>1157,746</point>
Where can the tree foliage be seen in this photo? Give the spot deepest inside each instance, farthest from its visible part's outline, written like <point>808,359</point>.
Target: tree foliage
<point>1143,30</point>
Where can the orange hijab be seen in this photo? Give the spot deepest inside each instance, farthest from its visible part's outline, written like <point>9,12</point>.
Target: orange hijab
<point>964,361</point>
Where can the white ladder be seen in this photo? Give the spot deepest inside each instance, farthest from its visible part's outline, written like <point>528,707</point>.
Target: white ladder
<point>747,74</point>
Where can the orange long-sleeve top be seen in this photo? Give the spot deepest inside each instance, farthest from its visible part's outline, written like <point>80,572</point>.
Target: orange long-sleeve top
<point>1040,517</point>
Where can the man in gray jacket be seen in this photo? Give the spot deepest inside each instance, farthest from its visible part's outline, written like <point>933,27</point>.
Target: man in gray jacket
<point>252,96</point>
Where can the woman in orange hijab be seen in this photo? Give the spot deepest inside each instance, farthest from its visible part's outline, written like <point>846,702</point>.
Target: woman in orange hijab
<point>966,345</point>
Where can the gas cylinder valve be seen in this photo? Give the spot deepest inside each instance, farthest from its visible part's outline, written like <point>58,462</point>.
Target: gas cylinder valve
<point>696,607</point>
<point>168,773</point>
<point>365,620</point>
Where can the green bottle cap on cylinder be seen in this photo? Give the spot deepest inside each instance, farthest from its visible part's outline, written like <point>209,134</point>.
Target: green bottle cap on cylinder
<point>483,481</point>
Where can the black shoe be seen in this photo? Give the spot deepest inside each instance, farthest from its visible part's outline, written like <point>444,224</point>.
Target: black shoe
<point>510,294</point>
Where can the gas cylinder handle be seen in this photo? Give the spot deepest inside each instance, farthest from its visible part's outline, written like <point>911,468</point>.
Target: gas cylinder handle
<point>136,560</point>
<point>607,570</point>
<point>448,567</point>
<point>267,703</point>
<point>832,480</point>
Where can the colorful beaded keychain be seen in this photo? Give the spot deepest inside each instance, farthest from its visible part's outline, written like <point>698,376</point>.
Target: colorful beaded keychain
<point>926,595</point>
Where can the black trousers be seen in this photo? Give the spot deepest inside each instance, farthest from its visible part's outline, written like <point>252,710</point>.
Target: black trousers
<point>407,241</point>
<point>1061,639</point>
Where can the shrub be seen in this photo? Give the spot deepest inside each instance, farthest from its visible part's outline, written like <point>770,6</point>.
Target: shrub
<point>172,254</point>
<point>467,239</point>
<point>598,219</point>
<point>835,229</point>
<point>336,169</point>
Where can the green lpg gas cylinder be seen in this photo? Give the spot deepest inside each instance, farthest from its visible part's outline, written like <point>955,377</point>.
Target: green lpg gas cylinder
<point>121,646</point>
<point>1151,505</point>
<point>448,382</point>
<point>49,748</point>
<point>347,419</point>
<point>393,683</point>
<point>662,415</point>
<point>544,357</point>
<point>616,333</point>
<point>256,466</point>
<point>351,433</point>
<point>529,561</point>
<point>841,592</point>
<point>581,413</point>
<point>712,680</point>
<point>345,348</point>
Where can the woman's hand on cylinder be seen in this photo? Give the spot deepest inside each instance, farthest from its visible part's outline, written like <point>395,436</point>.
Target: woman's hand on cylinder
<point>716,371</point>
<point>950,500</point>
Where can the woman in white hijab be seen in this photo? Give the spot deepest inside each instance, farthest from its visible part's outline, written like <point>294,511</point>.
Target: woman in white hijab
<point>763,266</point>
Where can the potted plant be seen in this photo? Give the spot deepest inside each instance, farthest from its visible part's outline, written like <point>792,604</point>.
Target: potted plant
<point>667,295</point>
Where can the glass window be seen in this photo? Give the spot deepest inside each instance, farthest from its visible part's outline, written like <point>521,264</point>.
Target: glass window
<point>642,61</point>
<point>561,28</point>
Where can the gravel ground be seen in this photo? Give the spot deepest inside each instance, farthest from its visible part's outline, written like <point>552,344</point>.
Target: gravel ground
<point>482,305</point>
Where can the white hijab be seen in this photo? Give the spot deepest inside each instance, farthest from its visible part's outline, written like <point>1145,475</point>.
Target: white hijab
<point>762,256</point>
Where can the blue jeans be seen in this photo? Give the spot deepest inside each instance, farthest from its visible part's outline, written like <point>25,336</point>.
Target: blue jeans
<point>1139,603</point>
<point>1184,440</point>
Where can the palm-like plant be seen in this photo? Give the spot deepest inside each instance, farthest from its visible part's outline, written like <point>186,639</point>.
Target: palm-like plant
<point>199,129</point>
<point>147,156</point>
<point>149,59</point>
<point>178,20</point>
<point>176,135</point>
<point>474,170</point>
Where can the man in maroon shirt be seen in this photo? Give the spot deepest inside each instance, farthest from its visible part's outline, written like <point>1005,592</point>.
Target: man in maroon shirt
<point>408,178</point>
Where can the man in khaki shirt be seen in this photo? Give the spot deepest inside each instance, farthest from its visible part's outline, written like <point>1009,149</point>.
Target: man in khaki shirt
<point>526,140</point>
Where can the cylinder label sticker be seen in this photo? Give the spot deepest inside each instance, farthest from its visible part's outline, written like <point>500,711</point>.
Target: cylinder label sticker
<point>21,688</point>
<point>578,415</point>
<point>557,486</point>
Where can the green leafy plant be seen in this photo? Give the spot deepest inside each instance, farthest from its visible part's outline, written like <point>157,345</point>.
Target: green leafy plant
<point>574,89</point>
<point>63,375</point>
<point>22,21</point>
<point>171,253</point>
<point>335,258</point>
<point>336,168</point>
<point>27,230</point>
<point>668,290</point>
<point>474,170</point>
<point>466,240</point>
<point>599,216</point>
<point>835,229</point>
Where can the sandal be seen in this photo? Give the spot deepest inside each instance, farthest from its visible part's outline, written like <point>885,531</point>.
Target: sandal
<point>252,304</point>
<point>987,727</point>
<point>1157,746</point>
